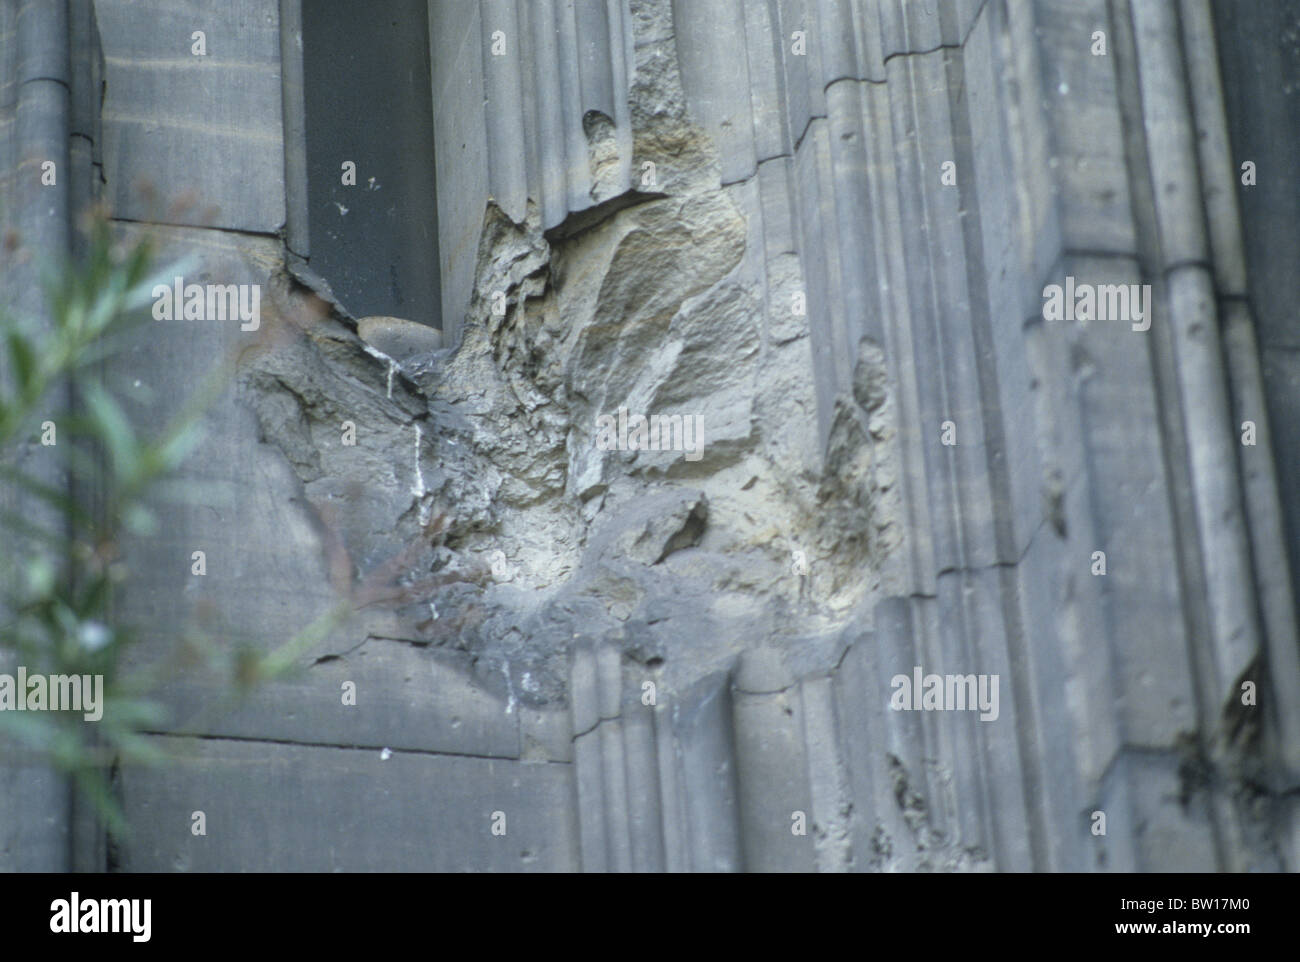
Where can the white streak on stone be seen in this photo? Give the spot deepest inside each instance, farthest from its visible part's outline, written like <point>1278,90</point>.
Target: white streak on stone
<point>392,365</point>
<point>418,490</point>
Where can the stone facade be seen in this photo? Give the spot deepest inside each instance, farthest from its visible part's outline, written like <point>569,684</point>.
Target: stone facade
<point>820,232</point>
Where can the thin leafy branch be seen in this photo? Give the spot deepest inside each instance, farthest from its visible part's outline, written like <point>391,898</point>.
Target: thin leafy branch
<point>76,477</point>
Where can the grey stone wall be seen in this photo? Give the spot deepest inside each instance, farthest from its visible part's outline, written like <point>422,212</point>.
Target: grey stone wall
<point>49,74</point>
<point>651,662</point>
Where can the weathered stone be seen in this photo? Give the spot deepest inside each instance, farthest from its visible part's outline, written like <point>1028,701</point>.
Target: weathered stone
<point>820,230</point>
<point>399,338</point>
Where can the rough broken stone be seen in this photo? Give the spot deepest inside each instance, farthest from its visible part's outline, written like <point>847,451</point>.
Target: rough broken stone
<point>399,338</point>
<point>658,207</point>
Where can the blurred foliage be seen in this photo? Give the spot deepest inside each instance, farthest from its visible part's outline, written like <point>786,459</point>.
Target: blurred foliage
<point>68,508</point>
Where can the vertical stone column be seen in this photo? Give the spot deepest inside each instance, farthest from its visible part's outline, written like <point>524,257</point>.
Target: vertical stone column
<point>35,801</point>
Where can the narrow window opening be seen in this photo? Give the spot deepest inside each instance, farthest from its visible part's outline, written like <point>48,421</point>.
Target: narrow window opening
<point>367,101</point>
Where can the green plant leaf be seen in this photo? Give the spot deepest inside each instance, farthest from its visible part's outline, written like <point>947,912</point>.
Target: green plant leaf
<point>55,497</point>
<point>116,433</point>
<point>22,360</point>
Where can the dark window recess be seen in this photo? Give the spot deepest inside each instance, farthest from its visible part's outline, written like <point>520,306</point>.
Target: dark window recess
<point>367,99</point>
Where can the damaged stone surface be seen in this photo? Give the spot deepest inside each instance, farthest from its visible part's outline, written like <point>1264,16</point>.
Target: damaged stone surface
<point>659,209</point>
<point>651,304</point>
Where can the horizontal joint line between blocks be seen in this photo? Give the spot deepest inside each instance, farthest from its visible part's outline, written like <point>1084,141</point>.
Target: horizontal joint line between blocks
<point>599,721</point>
<point>342,747</point>
<point>243,231</point>
<point>42,79</point>
<point>1196,262</point>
